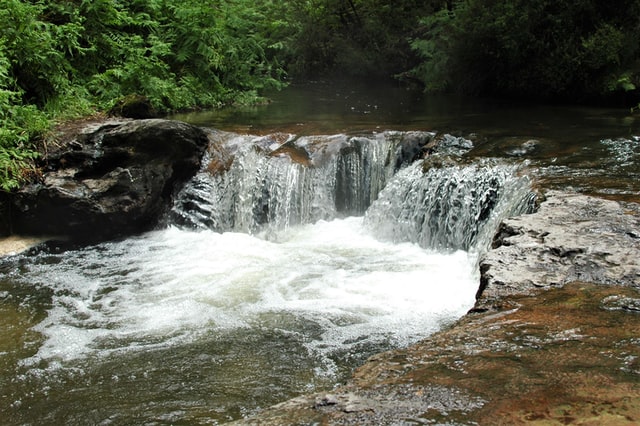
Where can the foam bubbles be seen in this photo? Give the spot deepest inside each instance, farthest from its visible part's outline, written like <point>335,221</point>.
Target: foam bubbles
<point>330,284</point>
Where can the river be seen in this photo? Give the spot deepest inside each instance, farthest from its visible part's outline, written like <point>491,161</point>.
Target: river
<point>213,320</point>
<point>592,150</point>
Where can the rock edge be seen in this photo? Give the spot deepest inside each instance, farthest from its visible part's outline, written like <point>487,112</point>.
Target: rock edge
<point>113,179</point>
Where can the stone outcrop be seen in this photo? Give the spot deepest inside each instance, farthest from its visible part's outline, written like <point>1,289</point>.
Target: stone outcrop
<point>571,238</point>
<point>112,180</point>
<point>552,339</point>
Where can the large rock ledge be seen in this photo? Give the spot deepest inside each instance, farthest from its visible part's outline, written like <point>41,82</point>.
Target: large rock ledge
<point>571,238</point>
<point>114,178</point>
<point>553,339</point>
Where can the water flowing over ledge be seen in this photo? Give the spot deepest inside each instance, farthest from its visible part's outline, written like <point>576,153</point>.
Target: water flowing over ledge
<point>283,263</point>
<point>444,202</point>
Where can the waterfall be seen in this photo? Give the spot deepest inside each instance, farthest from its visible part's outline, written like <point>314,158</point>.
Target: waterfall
<point>256,319</point>
<point>449,206</point>
<point>268,188</point>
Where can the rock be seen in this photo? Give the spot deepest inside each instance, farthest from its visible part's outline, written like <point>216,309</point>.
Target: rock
<point>5,214</point>
<point>617,302</point>
<point>111,181</point>
<point>446,144</point>
<point>295,153</point>
<point>14,244</point>
<point>134,106</point>
<point>571,237</point>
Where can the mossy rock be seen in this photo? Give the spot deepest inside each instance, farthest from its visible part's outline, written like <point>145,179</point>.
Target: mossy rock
<point>134,106</point>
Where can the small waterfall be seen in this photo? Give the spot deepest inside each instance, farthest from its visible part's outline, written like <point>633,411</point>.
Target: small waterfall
<point>449,208</point>
<point>271,188</point>
<point>362,170</point>
<point>257,191</point>
<point>444,202</point>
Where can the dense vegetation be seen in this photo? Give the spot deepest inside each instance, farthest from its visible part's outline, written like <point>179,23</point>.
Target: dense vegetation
<point>575,50</point>
<point>61,59</point>
<point>64,58</point>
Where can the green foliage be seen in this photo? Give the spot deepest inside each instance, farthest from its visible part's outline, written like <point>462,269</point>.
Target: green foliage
<point>18,125</point>
<point>353,37</point>
<point>570,49</point>
<point>60,59</point>
<point>64,58</point>
<point>35,49</point>
<point>182,55</point>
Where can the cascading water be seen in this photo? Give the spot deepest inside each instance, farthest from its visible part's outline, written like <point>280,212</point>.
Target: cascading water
<point>456,207</point>
<point>440,204</point>
<point>263,188</point>
<point>277,275</point>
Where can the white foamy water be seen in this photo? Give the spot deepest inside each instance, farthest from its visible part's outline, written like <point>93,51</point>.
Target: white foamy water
<point>330,285</point>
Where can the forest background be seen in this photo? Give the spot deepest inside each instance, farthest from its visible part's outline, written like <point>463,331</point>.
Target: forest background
<point>61,60</point>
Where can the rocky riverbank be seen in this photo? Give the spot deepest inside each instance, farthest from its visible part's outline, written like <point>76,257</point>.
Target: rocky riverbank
<point>108,179</point>
<point>553,338</point>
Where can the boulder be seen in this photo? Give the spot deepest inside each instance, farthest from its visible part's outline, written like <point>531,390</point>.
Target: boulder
<point>114,180</point>
<point>572,237</point>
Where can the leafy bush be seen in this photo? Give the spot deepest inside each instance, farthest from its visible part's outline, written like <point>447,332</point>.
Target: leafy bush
<point>60,59</point>
<point>574,49</point>
<point>18,123</point>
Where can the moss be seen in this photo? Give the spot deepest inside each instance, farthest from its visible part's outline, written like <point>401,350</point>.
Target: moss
<point>134,106</point>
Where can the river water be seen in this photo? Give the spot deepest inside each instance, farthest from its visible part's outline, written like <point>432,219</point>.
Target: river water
<point>591,150</point>
<point>210,319</point>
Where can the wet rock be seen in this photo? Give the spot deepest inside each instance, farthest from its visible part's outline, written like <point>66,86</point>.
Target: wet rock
<point>571,237</point>
<point>620,303</point>
<point>112,180</point>
<point>522,149</point>
<point>381,405</point>
<point>295,153</point>
<point>446,144</point>
<point>415,145</point>
<point>326,400</point>
<point>219,158</point>
<point>14,244</point>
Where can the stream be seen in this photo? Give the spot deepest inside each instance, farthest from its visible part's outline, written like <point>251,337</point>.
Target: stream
<point>276,279</point>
